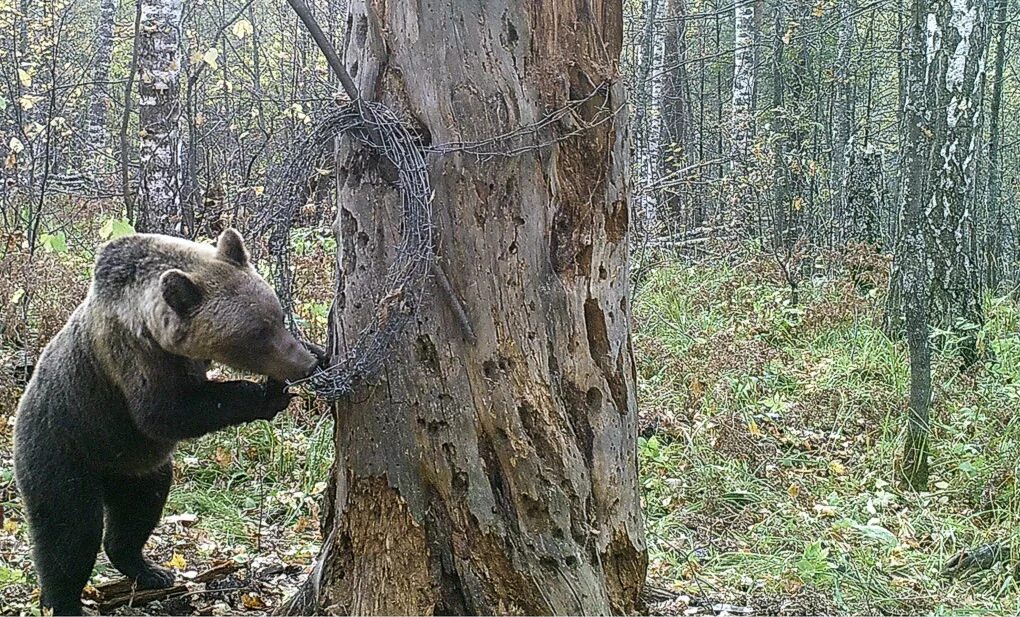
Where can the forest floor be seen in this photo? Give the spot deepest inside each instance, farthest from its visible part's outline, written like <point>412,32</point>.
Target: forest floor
<point>770,437</point>
<point>770,432</point>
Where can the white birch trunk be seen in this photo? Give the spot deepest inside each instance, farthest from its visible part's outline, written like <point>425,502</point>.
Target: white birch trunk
<point>159,65</point>
<point>99,100</point>
<point>743,87</point>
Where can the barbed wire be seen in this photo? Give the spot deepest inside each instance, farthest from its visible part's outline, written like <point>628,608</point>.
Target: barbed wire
<point>378,128</point>
<point>297,180</point>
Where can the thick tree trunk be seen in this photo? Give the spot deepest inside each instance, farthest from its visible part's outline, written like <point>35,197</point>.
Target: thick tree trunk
<point>499,476</point>
<point>159,111</point>
<point>960,31</point>
<point>99,99</point>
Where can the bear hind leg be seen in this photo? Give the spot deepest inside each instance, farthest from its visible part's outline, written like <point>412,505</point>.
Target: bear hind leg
<point>66,524</point>
<point>134,505</point>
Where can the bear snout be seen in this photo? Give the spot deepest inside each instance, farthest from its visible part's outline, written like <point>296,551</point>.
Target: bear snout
<point>292,361</point>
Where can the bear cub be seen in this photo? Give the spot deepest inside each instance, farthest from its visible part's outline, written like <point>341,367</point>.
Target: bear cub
<point>124,381</point>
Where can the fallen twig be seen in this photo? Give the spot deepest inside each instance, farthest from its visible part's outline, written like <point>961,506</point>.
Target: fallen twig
<point>118,593</point>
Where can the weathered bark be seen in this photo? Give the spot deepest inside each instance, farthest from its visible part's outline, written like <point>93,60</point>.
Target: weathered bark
<point>159,112</point>
<point>500,476</point>
<point>99,99</point>
<point>958,44</point>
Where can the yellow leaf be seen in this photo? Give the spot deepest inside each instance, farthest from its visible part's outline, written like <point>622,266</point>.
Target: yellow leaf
<point>24,77</point>
<point>242,28</point>
<point>259,190</point>
<point>252,601</point>
<point>793,491</point>
<point>210,56</point>
<point>177,562</point>
<point>752,427</point>
<point>11,526</point>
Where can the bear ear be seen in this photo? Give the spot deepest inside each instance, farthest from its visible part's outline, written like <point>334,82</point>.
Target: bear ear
<point>230,247</point>
<point>180,292</point>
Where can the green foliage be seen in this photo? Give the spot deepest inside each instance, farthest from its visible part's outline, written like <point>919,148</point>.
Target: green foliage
<point>55,242</point>
<point>114,228</point>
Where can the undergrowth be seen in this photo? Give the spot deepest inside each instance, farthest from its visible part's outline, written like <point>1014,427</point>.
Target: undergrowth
<point>770,433</point>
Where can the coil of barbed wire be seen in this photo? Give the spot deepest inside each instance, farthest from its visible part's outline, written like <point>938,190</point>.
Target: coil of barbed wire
<point>378,128</point>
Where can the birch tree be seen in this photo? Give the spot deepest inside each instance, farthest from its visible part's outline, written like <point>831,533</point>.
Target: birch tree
<point>99,100</point>
<point>935,256</point>
<point>911,253</point>
<point>743,87</point>
<point>159,67</point>
<point>957,39</point>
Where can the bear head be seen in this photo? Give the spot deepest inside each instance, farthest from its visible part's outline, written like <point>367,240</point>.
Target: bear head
<point>223,310</point>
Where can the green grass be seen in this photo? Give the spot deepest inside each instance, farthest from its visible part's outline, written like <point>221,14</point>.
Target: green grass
<point>771,470</point>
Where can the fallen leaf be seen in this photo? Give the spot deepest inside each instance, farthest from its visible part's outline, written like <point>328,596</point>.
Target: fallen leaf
<point>252,601</point>
<point>177,562</point>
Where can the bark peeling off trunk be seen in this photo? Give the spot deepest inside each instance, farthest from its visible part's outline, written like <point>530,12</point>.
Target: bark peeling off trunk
<point>500,476</point>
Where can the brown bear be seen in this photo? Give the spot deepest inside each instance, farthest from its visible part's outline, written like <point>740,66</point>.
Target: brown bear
<point>124,381</point>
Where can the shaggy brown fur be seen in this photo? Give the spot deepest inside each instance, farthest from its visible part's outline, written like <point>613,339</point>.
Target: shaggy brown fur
<point>123,381</point>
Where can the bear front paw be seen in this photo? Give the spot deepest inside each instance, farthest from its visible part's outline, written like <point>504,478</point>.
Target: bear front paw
<point>275,399</point>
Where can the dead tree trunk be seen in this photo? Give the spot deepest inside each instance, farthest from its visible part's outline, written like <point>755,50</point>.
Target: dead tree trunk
<point>497,476</point>
<point>159,113</point>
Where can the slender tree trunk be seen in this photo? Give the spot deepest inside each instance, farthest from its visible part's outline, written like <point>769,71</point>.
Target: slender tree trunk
<point>500,476</point>
<point>99,100</point>
<point>159,111</point>
<point>911,254</point>
<point>743,85</point>
<point>742,121</point>
<point>643,151</point>
<point>995,255</point>
<point>842,125</point>
<point>125,120</point>
<point>674,141</point>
